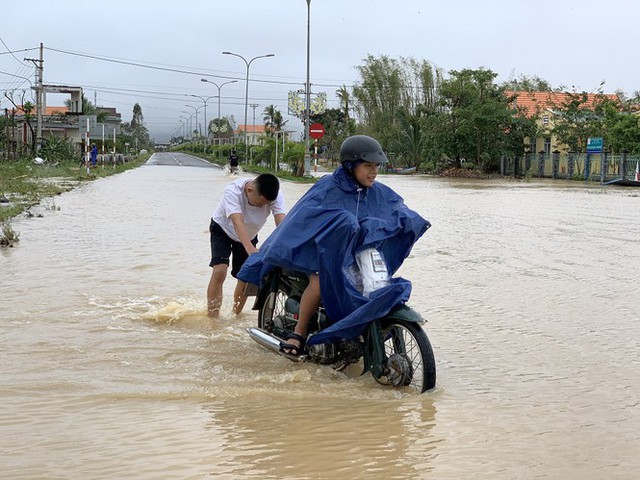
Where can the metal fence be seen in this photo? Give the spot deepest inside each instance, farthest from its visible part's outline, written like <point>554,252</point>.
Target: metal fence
<point>597,167</point>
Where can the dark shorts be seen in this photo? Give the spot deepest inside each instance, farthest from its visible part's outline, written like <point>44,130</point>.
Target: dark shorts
<point>223,247</point>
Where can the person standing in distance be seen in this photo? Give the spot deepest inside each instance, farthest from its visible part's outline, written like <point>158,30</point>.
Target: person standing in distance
<point>94,155</point>
<point>242,212</point>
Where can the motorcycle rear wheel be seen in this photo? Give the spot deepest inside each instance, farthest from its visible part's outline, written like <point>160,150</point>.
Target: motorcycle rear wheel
<point>409,345</point>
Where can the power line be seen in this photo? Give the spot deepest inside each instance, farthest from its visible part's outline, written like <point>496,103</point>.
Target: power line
<point>12,75</point>
<point>181,97</point>
<point>140,64</point>
<point>9,51</point>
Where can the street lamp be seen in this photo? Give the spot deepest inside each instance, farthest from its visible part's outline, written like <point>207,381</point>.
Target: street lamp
<point>189,125</point>
<point>307,156</point>
<point>204,100</point>
<point>196,110</point>
<point>246,94</point>
<point>219,88</point>
<point>182,129</point>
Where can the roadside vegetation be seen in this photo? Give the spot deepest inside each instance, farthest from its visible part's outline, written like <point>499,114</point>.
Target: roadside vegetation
<point>459,122</point>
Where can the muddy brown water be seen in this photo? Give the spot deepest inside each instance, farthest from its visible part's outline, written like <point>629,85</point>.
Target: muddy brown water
<point>111,369</point>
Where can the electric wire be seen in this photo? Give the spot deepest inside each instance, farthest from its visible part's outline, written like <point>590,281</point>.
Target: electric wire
<point>140,64</point>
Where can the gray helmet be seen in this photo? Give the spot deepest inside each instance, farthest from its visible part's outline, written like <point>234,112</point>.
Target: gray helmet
<point>361,148</point>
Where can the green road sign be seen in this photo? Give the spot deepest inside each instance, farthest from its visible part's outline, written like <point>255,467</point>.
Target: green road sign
<point>594,145</point>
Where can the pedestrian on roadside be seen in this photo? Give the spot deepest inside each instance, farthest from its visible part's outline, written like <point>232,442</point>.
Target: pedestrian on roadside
<point>94,155</point>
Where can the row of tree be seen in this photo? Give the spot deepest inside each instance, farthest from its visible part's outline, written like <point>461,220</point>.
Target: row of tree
<point>420,116</point>
<point>425,118</point>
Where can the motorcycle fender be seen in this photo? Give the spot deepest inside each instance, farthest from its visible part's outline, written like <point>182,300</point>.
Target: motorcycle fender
<point>403,312</point>
<point>261,297</point>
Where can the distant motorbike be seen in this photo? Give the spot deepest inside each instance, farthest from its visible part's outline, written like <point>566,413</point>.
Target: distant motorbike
<point>232,170</point>
<point>395,349</point>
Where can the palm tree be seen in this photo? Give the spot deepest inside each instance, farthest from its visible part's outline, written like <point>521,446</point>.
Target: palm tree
<point>273,121</point>
<point>410,142</point>
<point>269,115</point>
<point>343,96</point>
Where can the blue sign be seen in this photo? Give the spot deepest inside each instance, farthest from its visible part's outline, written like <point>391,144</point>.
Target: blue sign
<point>594,145</point>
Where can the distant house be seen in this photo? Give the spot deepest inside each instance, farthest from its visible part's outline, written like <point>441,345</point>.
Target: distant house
<point>545,108</point>
<point>61,123</point>
<point>254,132</point>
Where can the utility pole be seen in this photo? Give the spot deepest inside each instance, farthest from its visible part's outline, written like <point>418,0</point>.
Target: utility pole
<point>39,63</point>
<point>254,106</point>
<point>307,103</point>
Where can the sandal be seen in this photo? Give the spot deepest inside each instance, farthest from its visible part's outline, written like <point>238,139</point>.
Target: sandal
<point>293,350</point>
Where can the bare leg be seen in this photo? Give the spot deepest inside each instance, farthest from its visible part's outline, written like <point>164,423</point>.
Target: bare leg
<point>214,290</point>
<point>308,305</point>
<point>239,299</point>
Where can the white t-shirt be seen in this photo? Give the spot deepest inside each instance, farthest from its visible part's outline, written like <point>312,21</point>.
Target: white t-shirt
<point>235,200</point>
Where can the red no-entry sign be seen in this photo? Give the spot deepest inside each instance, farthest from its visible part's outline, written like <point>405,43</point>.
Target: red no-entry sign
<point>316,130</point>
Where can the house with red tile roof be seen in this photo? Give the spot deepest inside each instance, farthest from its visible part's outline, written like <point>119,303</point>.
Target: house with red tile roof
<point>47,111</point>
<point>254,132</point>
<point>545,108</point>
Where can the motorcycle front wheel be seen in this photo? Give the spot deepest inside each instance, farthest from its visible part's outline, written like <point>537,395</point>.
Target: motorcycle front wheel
<point>272,315</point>
<point>409,357</point>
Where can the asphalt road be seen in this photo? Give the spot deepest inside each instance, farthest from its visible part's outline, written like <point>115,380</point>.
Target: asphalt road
<point>180,159</point>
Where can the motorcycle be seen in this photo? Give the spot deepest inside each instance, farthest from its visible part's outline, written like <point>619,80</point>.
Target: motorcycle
<point>395,349</point>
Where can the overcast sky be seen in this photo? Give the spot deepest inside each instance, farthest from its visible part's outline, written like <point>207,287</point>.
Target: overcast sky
<point>576,43</point>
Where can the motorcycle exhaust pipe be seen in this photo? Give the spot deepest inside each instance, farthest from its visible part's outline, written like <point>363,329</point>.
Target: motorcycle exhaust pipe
<point>268,341</point>
<point>264,339</point>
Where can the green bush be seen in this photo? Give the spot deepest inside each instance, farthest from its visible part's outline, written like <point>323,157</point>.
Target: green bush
<point>57,150</point>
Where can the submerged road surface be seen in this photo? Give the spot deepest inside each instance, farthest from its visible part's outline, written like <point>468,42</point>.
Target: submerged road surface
<point>179,159</point>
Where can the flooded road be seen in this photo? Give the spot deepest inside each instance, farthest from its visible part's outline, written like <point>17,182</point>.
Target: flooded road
<point>111,368</point>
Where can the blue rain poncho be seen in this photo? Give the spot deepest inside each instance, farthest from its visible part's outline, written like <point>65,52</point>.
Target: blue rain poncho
<point>323,232</point>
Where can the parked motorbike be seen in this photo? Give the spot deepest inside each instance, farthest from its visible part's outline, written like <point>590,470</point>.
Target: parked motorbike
<point>395,349</point>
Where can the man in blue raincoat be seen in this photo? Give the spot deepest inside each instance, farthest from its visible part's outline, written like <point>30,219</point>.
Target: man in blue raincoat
<point>341,215</point>
<point>94,155</point>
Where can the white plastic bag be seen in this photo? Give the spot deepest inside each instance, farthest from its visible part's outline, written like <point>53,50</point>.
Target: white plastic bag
<point>373,269</point>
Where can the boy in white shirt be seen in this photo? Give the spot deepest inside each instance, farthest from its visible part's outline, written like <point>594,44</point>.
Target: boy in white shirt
<point>242,212</point>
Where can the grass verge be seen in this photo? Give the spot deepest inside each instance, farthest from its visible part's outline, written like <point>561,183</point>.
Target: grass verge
<point>23,185</point>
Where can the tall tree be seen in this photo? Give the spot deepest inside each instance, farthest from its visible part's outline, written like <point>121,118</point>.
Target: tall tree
<point>273,121</point>
<point>387,86</point>
<point>135,132</point>
<point>137,121</point>
<point>344,97</point>
<point>479,115</point>
<point>378,95</point>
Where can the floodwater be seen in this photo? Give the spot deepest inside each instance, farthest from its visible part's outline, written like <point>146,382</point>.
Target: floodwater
<point>111,369</point>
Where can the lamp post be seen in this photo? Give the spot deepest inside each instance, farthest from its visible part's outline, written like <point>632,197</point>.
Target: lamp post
<point>246,94</point>
<point>204,100</point>
<point>189,125</point>
<point>196,110</point>
<point>181,128</point>
<point>307,107</point>
<point>219,88</point>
